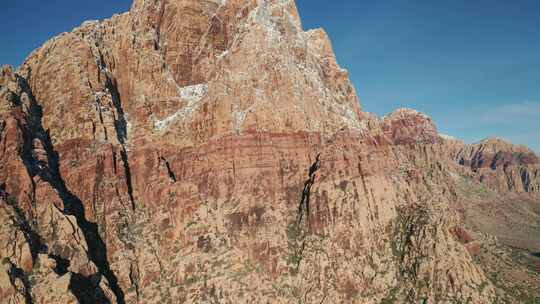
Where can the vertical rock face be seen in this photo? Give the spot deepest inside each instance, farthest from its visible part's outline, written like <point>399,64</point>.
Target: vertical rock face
<point>189,71</point>
<point>214,151</point>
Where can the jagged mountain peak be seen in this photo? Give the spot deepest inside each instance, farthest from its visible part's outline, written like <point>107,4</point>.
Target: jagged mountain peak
<point>497,144</point>
<point>229,67</point>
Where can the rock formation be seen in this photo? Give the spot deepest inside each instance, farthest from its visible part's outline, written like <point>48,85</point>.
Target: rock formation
<point>501,165</point>
<point>212,151</point>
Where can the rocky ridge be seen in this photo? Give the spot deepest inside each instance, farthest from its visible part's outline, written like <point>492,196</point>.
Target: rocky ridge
<point>215,152</point>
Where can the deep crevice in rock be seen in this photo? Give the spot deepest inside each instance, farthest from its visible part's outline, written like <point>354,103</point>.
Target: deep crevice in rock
<point>172,176</point>
<point>295,234</point>
<point>87,289</point>
<point>50,173</point>
<point>15,273</point>
<point>127,172</point>
<point>120,122</point>
<point>100,115</point>
<point>525,179</point>
<point>62,264</point>
<point>306,192</point>
<point>134,278</point>
<point>20,221</point>
<point>120,125</point>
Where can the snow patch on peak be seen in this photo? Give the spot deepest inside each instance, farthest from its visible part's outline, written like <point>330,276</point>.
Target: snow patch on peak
<point>193,95</point>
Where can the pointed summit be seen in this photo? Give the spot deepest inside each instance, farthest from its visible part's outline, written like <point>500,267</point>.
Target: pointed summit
<point>250,63</point>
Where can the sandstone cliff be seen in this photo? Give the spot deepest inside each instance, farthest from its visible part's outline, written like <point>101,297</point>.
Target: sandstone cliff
<point>212,151</point>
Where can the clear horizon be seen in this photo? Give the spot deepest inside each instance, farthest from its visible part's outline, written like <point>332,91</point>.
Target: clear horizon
<point>473,67</point>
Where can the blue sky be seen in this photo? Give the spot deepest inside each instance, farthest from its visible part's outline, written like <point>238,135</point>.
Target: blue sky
<point>474,66</point>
